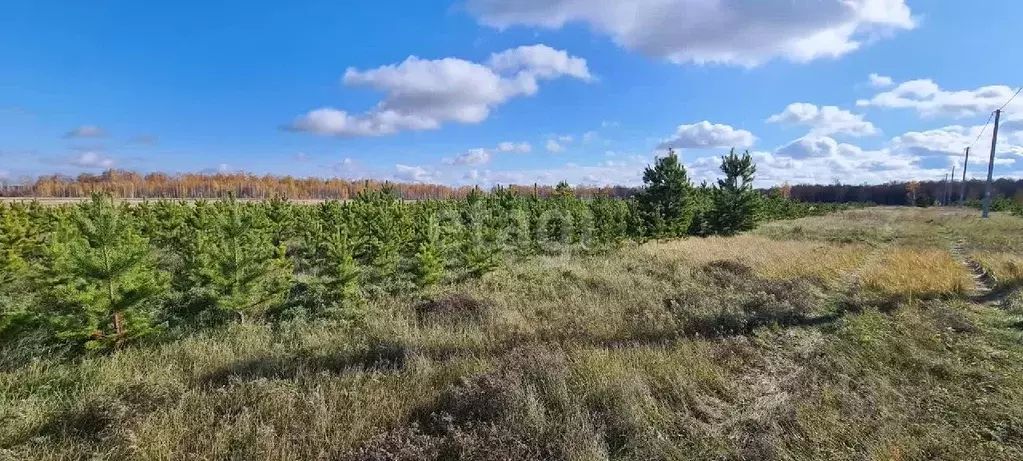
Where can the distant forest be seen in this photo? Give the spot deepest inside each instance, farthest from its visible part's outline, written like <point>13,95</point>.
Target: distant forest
<point>129,184</point>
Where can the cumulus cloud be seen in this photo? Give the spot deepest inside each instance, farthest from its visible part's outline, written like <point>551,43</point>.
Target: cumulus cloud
<point>473,157</point>
<point>348,168</point>
<point>821,159</point>
<point>413,173</point>
<point>808,147</point>
<point>706,135</point>
<point>951,141</point>
<point>733,32</point>
<point>423,94</point>
<point>554,146</point>
<point>824,121</point>
<point>880,81</point>
<point>540,61</point>
<point>626,171</point>
<point>522,147</point>
<point>928,99</point>
<point>86,131</point>
<point>92,160</point>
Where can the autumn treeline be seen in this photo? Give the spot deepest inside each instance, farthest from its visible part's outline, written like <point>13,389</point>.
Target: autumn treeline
<point>905,193</point>
<point>129,184</point>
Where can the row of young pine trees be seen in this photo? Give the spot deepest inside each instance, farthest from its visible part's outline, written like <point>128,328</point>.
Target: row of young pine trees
<point>99,275</point>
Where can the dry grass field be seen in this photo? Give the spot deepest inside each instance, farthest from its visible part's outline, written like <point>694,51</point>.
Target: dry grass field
<point>856,336</point>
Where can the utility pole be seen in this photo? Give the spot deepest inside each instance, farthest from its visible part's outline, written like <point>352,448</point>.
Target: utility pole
<point>952,184</point>
<point>991,165</point>
<point>962,191</point>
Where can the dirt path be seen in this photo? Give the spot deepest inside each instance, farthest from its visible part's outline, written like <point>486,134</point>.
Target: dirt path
<point>983,283</point>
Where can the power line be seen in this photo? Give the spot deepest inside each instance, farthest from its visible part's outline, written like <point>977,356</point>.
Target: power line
<point>984,128</point>
<point>992,116</point>
<point>1010,99</point>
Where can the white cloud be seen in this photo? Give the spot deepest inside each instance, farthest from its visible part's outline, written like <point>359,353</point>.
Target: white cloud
<point>348,168</point>
<point>821,160</point>
<point>589,136</point>
<point>808,147</point>
<point>473,157</point>
<point>928,99</point>
<point>565,138</point>
<point>705,135</point>
<point>424,94</point>
<point>522,147</point>
<point>609,124</point>
<point>952,141</point>
<point>412,173</point>
<point>824,121</point>
<point>880,81</point>
<point>540,61</point>
<point>733,32</point>
<point>626,171</point>
<point>92,160</point>
<point>302,156</point>
<point>553,146</point>
<point>86,131</point>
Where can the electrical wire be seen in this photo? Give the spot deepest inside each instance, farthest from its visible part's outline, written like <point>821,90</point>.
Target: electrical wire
<point>1010,99</point>
<point>992,116</point>
<point>984,128</point>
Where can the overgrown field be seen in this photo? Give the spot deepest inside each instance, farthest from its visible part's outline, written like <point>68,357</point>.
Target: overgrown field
<point>857,335</point>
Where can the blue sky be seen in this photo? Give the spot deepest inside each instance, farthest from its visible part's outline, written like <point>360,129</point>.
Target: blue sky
<point>500,91</point>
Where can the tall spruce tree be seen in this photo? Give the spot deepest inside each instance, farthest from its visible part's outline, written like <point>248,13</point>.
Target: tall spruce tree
<point>103,286</point>
<point>664,202</point>
<point>736,204</point>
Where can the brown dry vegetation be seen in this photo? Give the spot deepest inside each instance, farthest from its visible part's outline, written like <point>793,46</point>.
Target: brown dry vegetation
<point>844,337</point>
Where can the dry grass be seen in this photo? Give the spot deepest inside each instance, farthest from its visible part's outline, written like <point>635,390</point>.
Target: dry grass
<point>1006,268</point>
<point>918,273</point>
<point>695,349</point>
<point>777,259</point>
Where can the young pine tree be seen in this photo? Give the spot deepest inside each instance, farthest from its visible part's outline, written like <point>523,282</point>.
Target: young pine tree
<point>702,202</point>
<point>664,202</point>
<point>20,246</point>
<point>736,204</point>
<point>337,269</point>
<point>239,263</point>
<point>381,223</point>
<point>19,241</point>
<point>480,250</point>
<point>103,286</point>
<point>428,266</point>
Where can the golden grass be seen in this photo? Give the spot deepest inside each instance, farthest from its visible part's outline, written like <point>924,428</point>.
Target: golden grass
<point>769,258</point>
<point>567,364</point>
<point>917,273</point>
<point>1007,268</point>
